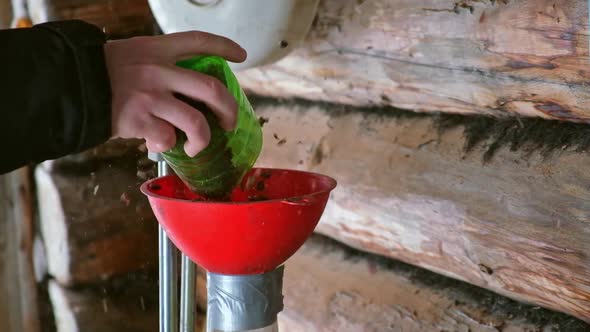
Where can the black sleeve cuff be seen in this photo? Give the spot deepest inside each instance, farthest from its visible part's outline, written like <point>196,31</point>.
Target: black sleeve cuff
<point>86,45</point>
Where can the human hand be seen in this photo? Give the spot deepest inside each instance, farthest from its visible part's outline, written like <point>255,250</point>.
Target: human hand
<point>144,79</point>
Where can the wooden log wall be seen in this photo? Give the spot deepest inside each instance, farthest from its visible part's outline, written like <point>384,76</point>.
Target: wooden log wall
<point>329,287</point>
<point>524,57</point>
<point>95,222</point>
<point>500,204</point>
<point>5,14</point>
<point>18,291</point>
<point>99,240</point>
<point>119,19</point>
<point>323,293</point>
<point>123,304</point>
<point>493,57</point>
<point>506,215</point>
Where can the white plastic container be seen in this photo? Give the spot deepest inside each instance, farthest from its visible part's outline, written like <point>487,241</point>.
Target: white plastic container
<point>267,29</point>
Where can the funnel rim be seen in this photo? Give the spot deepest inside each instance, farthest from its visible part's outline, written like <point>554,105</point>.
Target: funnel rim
<point>332,185</point>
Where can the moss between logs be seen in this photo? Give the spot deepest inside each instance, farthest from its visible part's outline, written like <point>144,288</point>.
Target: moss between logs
<point>528,135</point>
<point>472,295</point>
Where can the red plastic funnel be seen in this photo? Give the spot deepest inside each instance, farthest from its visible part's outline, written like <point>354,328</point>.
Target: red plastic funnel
<point>267,220</point>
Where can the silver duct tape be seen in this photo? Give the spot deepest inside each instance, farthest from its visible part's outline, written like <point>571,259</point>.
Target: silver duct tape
<point>247,302</point>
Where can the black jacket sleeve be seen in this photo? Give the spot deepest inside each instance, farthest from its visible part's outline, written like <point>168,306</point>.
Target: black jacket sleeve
<point>55,92</point>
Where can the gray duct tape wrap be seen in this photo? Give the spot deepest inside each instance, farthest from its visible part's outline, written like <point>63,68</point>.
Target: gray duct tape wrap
<point>247,302</point>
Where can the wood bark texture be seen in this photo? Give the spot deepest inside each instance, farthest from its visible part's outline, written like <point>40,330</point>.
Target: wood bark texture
<point>18,290</point>
<point>131,306</point>
<point>527,57</point>
<point>329,287</point>
<point>94,221</point>
<point>119,19</point>
<point>128,303</point>
<point>516,224</point>
<point>5,14</point>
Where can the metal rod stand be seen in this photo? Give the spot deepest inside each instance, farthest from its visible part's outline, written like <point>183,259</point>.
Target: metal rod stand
<point>188,296</point>
<point>168,278</point>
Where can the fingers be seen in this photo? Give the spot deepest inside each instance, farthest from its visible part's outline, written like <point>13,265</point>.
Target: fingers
<point>180,45</point>
<point>159,135</point>
<point>184,117</point>
<point>204,88</point>
<point>144,80</point>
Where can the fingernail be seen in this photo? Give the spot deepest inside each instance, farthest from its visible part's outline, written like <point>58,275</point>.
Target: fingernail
<point>192,150</point>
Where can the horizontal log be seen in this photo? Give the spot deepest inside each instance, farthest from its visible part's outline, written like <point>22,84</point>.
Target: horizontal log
<point>113,150</point>
<point>330,287</point>
<point>485,57</point>
<point>119,19</point>
<point>94,221</point>
<point>527,57</point>
<point>129,305</point>
<point>499,204</point>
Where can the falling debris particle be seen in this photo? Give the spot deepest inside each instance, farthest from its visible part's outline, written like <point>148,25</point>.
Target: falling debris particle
<point>125,199</point>
<point>142,303</point>
<point>372,267</point>
<point>257,198</point>
<point>105,305</point>
<point>249,183</point>
<point>281,141</point>
<point>143,175</point>
<point>96,189</point>
<point>262,120</point>
<point>300,162</point>
<point>142,148</point>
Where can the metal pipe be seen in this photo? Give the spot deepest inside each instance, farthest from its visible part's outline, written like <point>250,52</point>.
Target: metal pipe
<point>168,270</point>
<point>168,284</point>
<point>188,295</point>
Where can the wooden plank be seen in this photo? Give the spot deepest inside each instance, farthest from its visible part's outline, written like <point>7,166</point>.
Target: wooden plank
<point>527,57</point>
<point>515,222</point>
<point>18,310</point>
<point>329,287</point>
<point>95,222</point>
<point>119,19</point>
